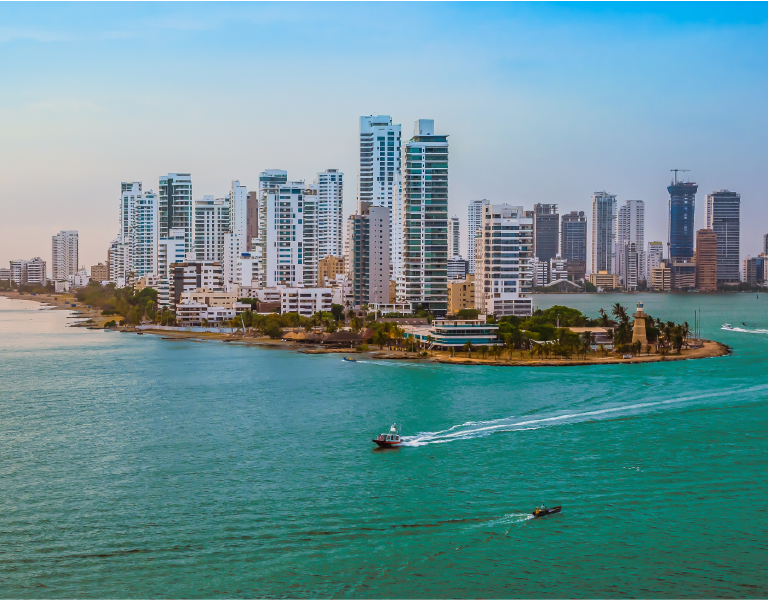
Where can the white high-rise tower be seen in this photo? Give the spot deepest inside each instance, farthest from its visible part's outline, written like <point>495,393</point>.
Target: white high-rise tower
<point>330,213</point>
<point>380,180</point>
<point>453,237</point>
<point>630,243</point>
<point>64,254</point>
<point>474,223</point>
<point>175,207</point>
<point>603,232</point>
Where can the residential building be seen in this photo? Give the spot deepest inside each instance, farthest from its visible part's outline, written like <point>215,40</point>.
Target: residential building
<point>422,281</point>
<point>144,234</point>
<point>100,272</point>
<point>661,277</point>
<point>5,274</point>
<point>170,250</point>
<point>120,270</point>
<point>453,237</point>
<point>330,213</point>
<point>251,219</point>
<point>210,297</point>
<point>706,260</point>
<point>603,232</point>
<point>29,272</point>
<point>64,254</point>
<point>190,276</point>
<point>539,272</point>
<point>310,241</point>
<point>682,201</point>
<point>474,224</point>
<point>236,239</point>
<point>175,207</point>
<point>723,217</point>
<point>341,287</point>
<point>212,223</point>
<point>380,180</point>
<point>503,277</point>
<point>249,268</point>
<point>306,301</point>
<point>573,243</point>
<point>765,244</point>
<point>655,256</point>
<point>457,267</point>
<point>546,231</point>
<point>753,269</point>
<point>461,294</point>
<point>630,238</point>
<point>282,235</point>
<point>328,268</point>
<point>79,279</point>
<point>683,274</point>
<point>599,336</point>
<point>603,280</point>
<point>558,269</point>
<point>368,255</point>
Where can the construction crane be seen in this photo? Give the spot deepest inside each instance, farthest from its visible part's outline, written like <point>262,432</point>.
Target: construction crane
<point>675,171</point>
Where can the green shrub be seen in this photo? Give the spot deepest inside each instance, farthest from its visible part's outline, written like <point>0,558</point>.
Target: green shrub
<point>362,348</point>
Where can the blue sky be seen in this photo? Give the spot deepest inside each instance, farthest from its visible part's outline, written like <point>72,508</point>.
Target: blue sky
<point>542,102</point>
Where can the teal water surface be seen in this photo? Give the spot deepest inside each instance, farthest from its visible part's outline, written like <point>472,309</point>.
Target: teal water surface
<point>138,467</point>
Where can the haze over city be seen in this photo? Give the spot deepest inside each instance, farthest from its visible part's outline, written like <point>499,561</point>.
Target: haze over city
<point>542,103</point>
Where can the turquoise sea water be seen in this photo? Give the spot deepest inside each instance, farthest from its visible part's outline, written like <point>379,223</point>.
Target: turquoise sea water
<point>133,466</point>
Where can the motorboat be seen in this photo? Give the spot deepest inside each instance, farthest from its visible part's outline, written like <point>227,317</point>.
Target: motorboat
<point>390,439</point>
<point>727,327</point>
<point>538,513</point>
<point>346,358</point>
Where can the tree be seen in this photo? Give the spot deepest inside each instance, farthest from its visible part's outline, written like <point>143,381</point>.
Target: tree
<point>483,350</point>
<point>469,314</point>
<point>380,338</point>
<point>468,347</point>
<point>337,310</point>
<point>356,324</point>
<point>273,330</point>
<point>430,339</point>
<point>586,343</point>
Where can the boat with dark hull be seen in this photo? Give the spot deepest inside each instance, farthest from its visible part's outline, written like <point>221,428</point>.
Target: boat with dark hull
<point>538,513</point>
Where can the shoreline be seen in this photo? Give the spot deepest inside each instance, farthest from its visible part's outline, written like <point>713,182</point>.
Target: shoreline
<point>709,349</point>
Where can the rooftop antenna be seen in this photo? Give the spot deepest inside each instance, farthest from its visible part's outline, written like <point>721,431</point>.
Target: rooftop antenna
<point>675,171</point>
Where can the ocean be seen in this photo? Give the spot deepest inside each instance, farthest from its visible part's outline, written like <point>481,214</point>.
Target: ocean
<point>134,467</point>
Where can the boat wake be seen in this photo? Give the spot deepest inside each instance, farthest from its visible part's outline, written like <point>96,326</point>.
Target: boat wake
<point>742,330</point>
<point>475,429</point>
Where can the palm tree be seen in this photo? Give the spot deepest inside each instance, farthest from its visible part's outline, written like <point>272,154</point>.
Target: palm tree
<point>602,349</point>
<point>483,350</point>
<point>468,347</point>
<point>586,343</point>
<point>603,317</point>
<point>430,339</point>
<point>380,338</point>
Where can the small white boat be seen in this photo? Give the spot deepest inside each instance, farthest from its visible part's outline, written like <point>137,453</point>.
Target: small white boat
<point>727,327</point>
<point>388,440</point>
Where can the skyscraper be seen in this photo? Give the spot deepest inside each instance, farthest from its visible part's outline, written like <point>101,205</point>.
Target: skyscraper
<point>655,256</point>
<point>453,237</point>
<point>64,254</point>
<point>474,223</point>
<point>175,206</point>
<point>310,225</point>
<point>144,236</point>
<point>282,236</point>
<point>630,237</point>
<point>723,217</point>
<point>546,223</point>
<point>706,260</point>
<point>682,198</point>
<point>379,181</point>
<point>573,243</point>
<point>330,213</point>
<point>603,232</point>
<point>503,272</point>
<point>252,218</point>
<point>423,281</point>
<point>212,223</point>
<point>368,254</point>
<point>236,238</point>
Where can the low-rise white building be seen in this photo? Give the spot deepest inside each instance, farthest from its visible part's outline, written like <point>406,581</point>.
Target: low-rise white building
<point>79,279</point>
<point>305,301</point>
<point>250,268</point>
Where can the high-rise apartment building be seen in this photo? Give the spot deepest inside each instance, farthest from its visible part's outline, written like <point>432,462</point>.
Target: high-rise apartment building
<point>765,244</point>
<point>503,277</point>
<point>252,218</point>
<point>282,235</point>
<point>682,204</point>
<point>654,257</point>
<point>368,254</point>
<point>546,223</point>
<point>29,272</point>
<point>474,223</point>
<point>380,180</point>
<point>236,238</point>
<point>573,242</point>
<point>630,238</point>
<point>422,282</point>
<point>454,232</point>
<point>310,225</point>
<point>330,213</point>
<point>144,234</point>
<point>212,223</point>
<point>706,260</point>
<point>604,232</point>
<point>723,217</point>
<point>175,206</point>
<point>64,254</point>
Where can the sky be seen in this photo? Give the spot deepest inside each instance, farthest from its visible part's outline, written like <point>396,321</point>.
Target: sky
<point>542,102</point>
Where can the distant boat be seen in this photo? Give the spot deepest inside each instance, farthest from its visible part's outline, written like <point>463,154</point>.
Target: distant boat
<point>727,327</point>
<point>349,359</point>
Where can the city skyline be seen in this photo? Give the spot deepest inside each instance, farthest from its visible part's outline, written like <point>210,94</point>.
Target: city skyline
<point>76,141</point>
